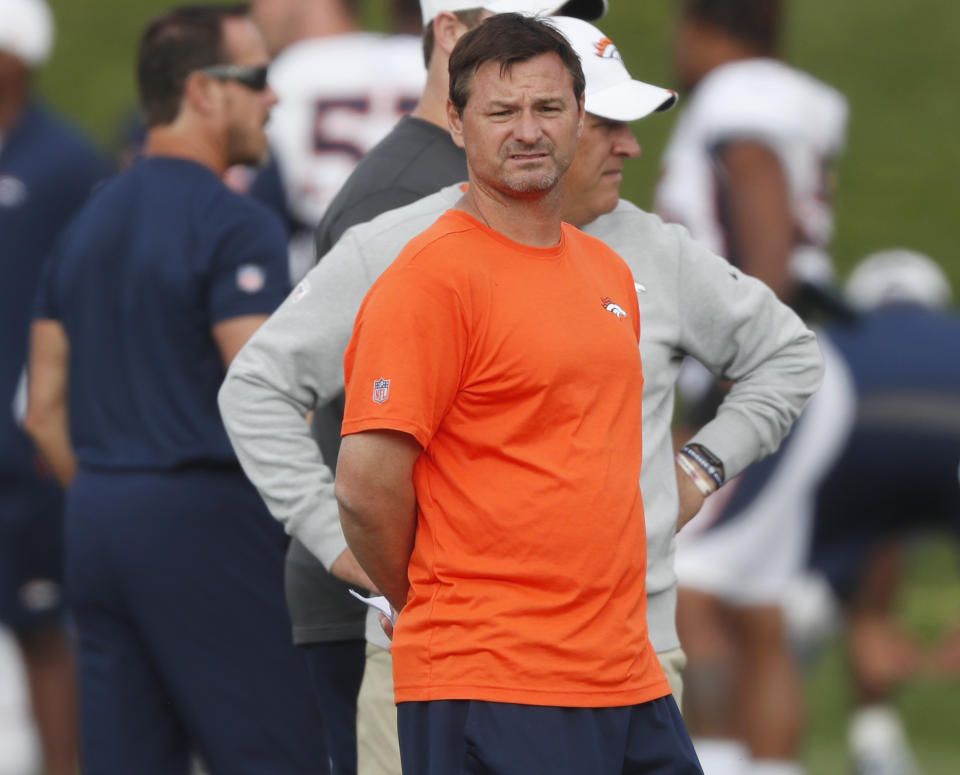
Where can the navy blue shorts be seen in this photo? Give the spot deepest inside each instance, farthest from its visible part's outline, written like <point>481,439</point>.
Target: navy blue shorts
<point>886,485</point>
<point>175,582</point>
<point>31,554</point>
<point>461,737</point>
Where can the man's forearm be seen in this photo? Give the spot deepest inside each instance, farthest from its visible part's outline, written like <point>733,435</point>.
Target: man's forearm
<point>382,546</point>
<point>378,506</point>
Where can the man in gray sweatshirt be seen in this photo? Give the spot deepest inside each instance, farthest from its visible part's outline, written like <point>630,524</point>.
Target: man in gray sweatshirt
<point>691,302</point>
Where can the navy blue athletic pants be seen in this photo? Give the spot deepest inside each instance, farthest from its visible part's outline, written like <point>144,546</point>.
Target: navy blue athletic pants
<point>336,670</point>
<point>470,737</point>
<point>175,581</point>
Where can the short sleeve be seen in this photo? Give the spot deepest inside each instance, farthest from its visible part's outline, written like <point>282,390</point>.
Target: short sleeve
<point>734,111</point>
<point>773,103</point>
<point>404,363</point>
<point>249,271</point>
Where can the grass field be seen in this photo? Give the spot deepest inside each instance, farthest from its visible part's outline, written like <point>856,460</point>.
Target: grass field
<point>929,706</point>
<point>897,62</point>
<point>899,65</point>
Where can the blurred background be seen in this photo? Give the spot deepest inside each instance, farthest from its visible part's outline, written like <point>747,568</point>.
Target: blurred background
<point>898,64</point>
<point>899,184</point>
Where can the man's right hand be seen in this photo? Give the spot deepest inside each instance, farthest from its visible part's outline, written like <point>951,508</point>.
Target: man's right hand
<point>346,568</point>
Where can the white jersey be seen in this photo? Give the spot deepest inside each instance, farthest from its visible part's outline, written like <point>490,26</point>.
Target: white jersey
<point>801,119</point>
<point>338,97</point>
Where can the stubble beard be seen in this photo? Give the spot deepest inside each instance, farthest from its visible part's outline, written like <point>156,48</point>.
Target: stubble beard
<point>522,182</point>
<point>244,146</point>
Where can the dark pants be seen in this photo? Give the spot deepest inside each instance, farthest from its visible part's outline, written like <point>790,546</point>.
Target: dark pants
<point>336,670</point>
<point>31,554</point>
<point>470,737</point>
<point>175,581</point>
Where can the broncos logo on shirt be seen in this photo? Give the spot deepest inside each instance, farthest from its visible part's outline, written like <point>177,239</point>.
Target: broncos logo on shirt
<point>610,306</point>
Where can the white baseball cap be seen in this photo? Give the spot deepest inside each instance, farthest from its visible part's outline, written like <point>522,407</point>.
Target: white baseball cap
<point>898,276</point>
<point>26,30</point>
<point>584,9</point>
<point>610,91</point>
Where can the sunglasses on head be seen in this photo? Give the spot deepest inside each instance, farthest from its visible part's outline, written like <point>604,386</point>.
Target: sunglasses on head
<point>252,76</point>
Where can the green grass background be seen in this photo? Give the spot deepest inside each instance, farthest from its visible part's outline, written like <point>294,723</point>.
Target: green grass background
<point>898,63</point>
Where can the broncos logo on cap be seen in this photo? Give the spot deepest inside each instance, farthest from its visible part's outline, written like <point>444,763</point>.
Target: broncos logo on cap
<point>606,49</point>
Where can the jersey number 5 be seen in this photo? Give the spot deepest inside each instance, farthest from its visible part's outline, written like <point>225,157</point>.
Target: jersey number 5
<point>329,139</point>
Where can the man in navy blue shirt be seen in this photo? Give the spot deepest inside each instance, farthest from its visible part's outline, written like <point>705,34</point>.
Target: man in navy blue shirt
<point>47,170</point>
<point>174,566</point>
<point>896,476</point>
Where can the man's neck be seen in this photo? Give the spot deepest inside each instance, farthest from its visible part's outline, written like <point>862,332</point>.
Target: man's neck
<point>432,105</point>
<point>172,140</point>
<point>529,220</point>
<point>13,103</point>
<point>322,19</point>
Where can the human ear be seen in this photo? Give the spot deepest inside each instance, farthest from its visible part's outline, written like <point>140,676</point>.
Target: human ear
<point>455,122</point>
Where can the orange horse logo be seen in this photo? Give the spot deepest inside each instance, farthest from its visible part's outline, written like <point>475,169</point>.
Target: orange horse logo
<point>606,49</point>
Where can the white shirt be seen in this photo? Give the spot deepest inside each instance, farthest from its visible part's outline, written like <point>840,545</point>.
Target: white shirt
<point>338,97</point>
<point>802,120</point>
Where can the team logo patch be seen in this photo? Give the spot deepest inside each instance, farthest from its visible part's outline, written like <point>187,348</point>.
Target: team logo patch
<point>302,289</point>
<point>13,191</point>
<point>610,306</point>
<point>606,50</point>
<point>251,278</point>
<point>38,595</point>
<point>381,390</point>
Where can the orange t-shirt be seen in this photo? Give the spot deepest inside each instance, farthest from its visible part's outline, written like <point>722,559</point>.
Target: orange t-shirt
<point>517,370</point>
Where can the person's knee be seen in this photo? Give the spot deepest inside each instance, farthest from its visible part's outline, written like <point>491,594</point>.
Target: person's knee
<point>760,630</point>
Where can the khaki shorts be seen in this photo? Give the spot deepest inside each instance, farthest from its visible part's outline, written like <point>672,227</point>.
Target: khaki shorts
<point>673,662</point>
<point>378,746</point>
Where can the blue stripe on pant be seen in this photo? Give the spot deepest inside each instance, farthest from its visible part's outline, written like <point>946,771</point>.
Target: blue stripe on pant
<point>175,580</point>
<point>461,737</point>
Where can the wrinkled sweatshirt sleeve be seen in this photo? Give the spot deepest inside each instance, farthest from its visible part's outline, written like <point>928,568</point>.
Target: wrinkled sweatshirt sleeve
<point>292,364</point>
<point>736,326</point>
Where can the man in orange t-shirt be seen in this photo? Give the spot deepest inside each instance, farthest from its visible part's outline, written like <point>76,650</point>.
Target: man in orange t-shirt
<point>488,475</point>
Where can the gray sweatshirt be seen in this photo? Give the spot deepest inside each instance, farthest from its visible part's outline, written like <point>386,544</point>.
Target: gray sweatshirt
<point>691,303</point>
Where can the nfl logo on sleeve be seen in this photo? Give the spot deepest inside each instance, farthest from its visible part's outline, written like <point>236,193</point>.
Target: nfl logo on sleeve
<point>251,278</point>
<point>381,390</point>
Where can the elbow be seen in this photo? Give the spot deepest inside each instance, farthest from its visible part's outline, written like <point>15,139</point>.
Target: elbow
<point>237,410</point>
<point>226,399</point>
<point>817,367</point>
<point>347,492</point>
<point>361,499</point>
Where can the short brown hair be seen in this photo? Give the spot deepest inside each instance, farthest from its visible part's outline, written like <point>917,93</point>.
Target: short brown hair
<point>508,38</point>
<point>470,18</point>
<point>175,44</point>
<point>754,22</point>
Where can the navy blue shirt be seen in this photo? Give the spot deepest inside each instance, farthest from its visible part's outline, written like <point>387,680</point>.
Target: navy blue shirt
<point>47,170</point>
<point>140,277</point>
<point>898,469</point>
<point>902,348</point>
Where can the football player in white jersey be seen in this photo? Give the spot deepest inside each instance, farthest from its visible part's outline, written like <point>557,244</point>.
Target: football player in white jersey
<point>748,171</point>
<point>340,90</point>
<point>749,167</point>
